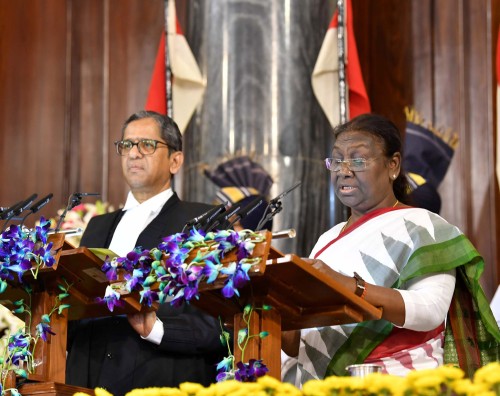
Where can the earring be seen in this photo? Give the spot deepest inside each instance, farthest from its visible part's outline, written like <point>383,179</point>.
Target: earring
<point>394,177</point>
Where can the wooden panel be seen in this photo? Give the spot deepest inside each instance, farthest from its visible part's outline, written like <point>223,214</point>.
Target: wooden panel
<point>134,35</point>
<point>382,30</point>
<point>32,93</point>
<point>71,71</point>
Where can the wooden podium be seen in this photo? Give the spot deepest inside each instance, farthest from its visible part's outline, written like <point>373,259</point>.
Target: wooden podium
<point>300,297</point>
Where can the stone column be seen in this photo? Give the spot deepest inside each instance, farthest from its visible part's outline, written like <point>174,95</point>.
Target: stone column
<point>257,57</point>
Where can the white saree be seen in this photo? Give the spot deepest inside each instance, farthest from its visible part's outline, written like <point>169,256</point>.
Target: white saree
<point>387,247</point>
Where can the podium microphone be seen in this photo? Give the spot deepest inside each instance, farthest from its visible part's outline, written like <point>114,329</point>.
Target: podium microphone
<point>16,209</point>
<point>274,201</point>
<point>221,220</point>
<point>275,204</point>
<point>247,210</point>
<point>206,217</point>
<point>38,205</point>
<point>74,199</point>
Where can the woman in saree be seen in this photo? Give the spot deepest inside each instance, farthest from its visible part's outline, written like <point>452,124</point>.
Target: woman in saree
<point>408,261</point>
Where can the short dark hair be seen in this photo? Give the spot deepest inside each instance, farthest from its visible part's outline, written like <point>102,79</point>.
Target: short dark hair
<point>388,133</point>
<point>169,130</point>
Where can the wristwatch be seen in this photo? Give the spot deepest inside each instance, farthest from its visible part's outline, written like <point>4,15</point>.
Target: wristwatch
<point>360,285</point>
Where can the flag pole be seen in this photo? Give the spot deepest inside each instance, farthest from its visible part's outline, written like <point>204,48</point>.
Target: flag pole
<point>168,69</point>
<point>342,88</point>
<point>340,211</point>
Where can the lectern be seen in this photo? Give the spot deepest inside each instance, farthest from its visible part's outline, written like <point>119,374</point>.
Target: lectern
<point>300,297</point>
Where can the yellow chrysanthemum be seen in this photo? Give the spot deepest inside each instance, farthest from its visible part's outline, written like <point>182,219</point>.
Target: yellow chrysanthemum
<point>190,388</point>
<point>334,382</point>
<point>210,391</point>
<point>380,383</point>
<point>81,394</point>
<point>268,382</point>
<point>247,388</point>
<point>450,372</point>
<point>315,388</point>
<point>226,387</point>
<point>101,392</point>
<point>155,392</point>
<point>415,375</point>
<point>287,390</point>
<point>489,374</point>
<point>467,387</point>
<point>432,382</point>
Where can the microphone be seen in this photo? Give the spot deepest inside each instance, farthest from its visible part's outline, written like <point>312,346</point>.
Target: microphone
<point>247,210</point>
<point>275,204</point>
<point>17,209</point>
<point>73,200</point>
<point>206,217</point>
<point>38,205</point>
<point>222,218</point>
<point>83,194</point>
<point>274,201</point>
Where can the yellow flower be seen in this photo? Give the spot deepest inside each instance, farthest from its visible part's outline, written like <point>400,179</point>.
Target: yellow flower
<point>431,384</point>
<point>450,372</point>
<point>225,387</point>
<point>155,392</point>
<point>315,388</point>
<point>383,383</point>
<point>489,374</point>
<point>190,388</point>
<point>101,392</point>
<point>467,387</point>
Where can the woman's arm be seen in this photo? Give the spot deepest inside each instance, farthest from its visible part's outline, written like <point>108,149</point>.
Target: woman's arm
<point>428,293</point>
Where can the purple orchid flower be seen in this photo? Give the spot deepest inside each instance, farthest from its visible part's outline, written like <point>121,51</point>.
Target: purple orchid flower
<point>251,371</point>
<point>43,329</point>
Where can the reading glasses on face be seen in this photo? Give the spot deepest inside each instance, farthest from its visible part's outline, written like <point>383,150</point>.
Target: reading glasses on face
<point>145,146</point>
<point>353,164</point>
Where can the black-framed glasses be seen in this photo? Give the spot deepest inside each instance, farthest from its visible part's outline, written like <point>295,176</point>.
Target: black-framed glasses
<point>353,164</point>
<point>145,146</point>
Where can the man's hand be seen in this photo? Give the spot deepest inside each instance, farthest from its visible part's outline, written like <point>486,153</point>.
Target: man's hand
<point>142,322</point>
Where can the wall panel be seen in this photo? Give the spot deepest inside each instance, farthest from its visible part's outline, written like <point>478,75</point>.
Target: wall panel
<point>71,71</point>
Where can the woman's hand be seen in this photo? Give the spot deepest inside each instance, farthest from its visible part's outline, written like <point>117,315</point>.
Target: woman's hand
<point>390,300</point>
<point>290,342</point>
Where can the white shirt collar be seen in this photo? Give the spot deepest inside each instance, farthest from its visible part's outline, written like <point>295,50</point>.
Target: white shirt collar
<point>154,204</point>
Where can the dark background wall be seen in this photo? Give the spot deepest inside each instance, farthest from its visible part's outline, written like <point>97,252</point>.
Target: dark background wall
<point>71,71</point>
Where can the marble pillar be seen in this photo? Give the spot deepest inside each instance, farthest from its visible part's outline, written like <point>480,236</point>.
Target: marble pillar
<point>257,57</point>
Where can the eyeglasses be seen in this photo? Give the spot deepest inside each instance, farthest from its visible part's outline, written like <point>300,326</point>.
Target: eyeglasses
<point>145,146</point>
<point>353,164</point>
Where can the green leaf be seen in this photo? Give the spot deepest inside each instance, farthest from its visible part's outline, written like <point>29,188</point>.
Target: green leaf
<point>18,310</point>
<point>3,286</point>
<point>62,307</point>
<point>22,373</point>
<point>62,296</point>
<point>149,281</point>
<point>242,335</point>
<point>45,318</point>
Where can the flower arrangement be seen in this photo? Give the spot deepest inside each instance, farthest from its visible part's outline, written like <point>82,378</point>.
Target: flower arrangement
<point>444,380</point>
<point>24,251</point>
<point>79,217</point>
<point>174,270</point>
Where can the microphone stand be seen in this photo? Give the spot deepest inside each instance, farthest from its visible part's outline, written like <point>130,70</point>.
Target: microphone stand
<point>272,210</point>
<point>74,200</point>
